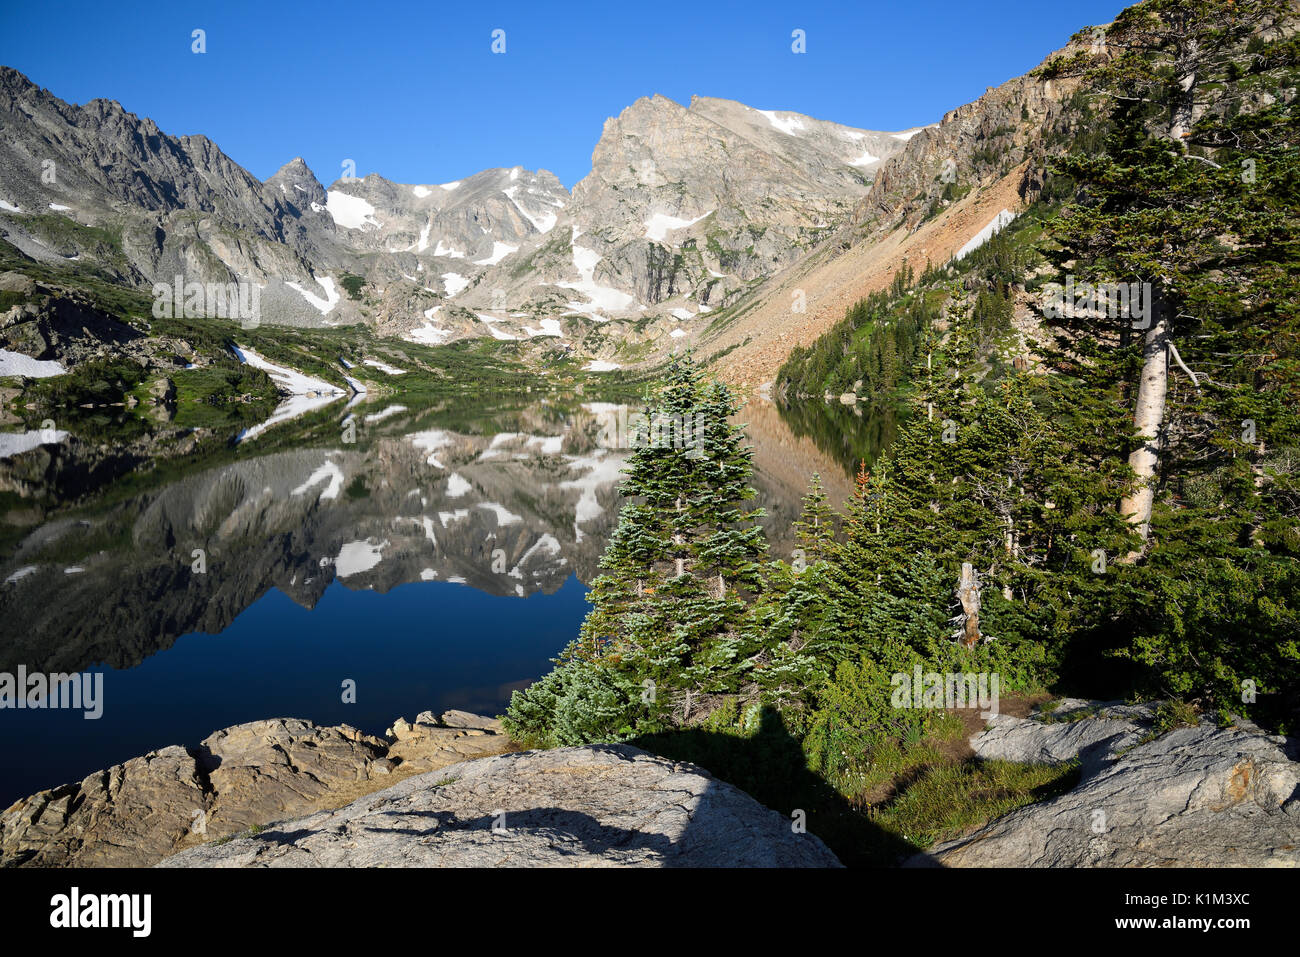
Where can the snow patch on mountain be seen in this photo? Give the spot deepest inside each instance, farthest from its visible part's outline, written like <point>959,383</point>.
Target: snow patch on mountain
<point>16,443</point>
<point>385,367</point>
<point>350,212</point>
<point>329,473</point>
<point>432,442</point>
<point>500,251</point>
<point>658,226</point>
<point>15,363</point>
<point>324,306</point>
<point>598,296</point>
<point>908,134</point>
<point>454,282</point>
<point>998,223</point>
<point>786,124</point>
<point>357,557</point>
<point>542,222</point>
<point>385,413</point>
<point>550,327</point>
<point>503,514</point>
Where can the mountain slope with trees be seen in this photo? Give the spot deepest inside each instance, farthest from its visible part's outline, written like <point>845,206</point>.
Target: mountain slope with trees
<point>1092,490</point>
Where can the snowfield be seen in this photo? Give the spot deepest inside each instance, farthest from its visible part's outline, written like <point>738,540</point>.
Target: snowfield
<point>499,252</point>
<point>658,226</point>
<point>430,334</point>
<point>598,296</point>
<point>454,282</point>
<point>431,442</point>
<point>550,327</point>
<point>350,212</point>
<point>999,223</point>
<point>600,470</point>
<point>15,363</point>
<point>787,125</point>
<point>329,473</point>
<point>357,557</point>
<point>384,367</point>
<point>908,134</point>
<point>543,223</point>
<point>16,443</point>
<point>386,413</point>
<point>326,305</point>
<point>306,394</point>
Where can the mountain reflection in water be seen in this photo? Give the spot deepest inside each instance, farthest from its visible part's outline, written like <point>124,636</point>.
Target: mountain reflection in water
<point>439,562</point>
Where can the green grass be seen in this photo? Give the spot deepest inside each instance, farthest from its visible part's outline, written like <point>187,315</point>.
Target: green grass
<point>910,796</point>
<point>1175,714</point>
<point>212,397</point>
<point>10,299</point>
<point>60,231</point>
<point>949,800</point>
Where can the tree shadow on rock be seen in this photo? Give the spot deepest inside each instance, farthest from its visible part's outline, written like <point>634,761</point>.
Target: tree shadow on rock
<point>771,767</point>
<point>581,832</point>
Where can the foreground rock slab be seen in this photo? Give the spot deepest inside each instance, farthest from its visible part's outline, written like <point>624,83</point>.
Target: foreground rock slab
<point>594,806</point>
<point>1200,796</point>
<point>250,775</point>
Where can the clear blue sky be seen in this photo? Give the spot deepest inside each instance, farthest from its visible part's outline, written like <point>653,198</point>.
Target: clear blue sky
<point>413,91</point>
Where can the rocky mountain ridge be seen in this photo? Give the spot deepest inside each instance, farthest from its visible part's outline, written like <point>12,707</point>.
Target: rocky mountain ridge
<point>683,209</point>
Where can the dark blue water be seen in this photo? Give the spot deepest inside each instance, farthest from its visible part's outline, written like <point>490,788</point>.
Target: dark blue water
<point>420,646</point>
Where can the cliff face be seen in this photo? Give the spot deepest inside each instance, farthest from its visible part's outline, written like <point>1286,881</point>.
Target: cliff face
<point>927,200</point>
<point>166,204</point>
<point>970,148</point>
<point>691,203</point>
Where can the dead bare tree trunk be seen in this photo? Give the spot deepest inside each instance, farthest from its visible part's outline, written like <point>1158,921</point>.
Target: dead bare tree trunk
<point>679,541</point>
<point>968,593</point>
<point>1148,417</point>
<point>1183,114</point>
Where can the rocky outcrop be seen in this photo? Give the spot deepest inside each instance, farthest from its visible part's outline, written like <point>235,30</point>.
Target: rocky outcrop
<point>1025,118</point>
<point>247,776</point>
<point>1199,796</point>
<point>594,806</point>
<point>1075,731</point>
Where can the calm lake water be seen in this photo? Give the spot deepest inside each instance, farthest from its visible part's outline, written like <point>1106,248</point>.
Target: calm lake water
<point>438,562</point>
